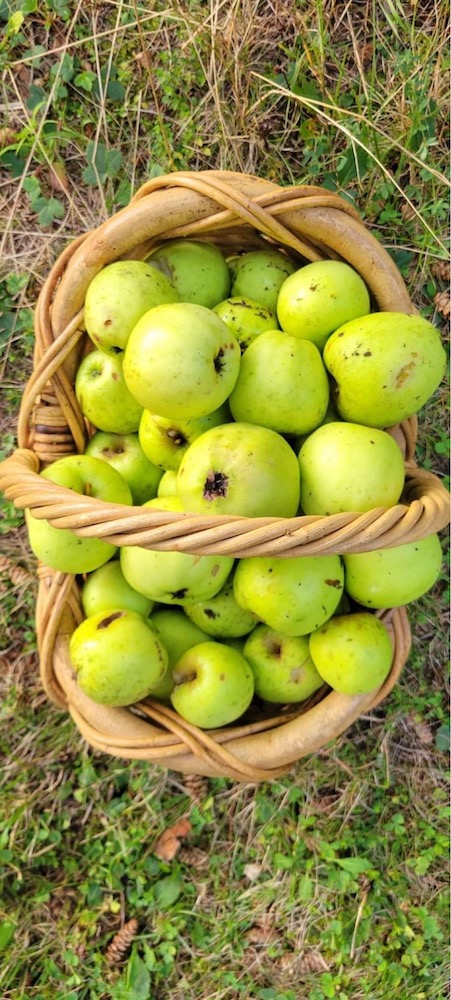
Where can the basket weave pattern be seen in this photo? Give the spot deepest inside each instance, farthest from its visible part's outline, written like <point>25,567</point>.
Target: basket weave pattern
<point>237,212</point>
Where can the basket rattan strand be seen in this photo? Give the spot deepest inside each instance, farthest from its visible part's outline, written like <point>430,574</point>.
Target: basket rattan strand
<point>237,212</point>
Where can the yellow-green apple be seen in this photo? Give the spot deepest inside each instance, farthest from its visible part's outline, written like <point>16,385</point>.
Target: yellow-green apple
<point>353,653</point>
<point>242,469</point>
<point>213,685</point>
<point>386,367</point>
<point>293,596</point>
<point>178,634</point>
<point>166,440</point>
<point>124,453</point>
<point>246,319</point>
<point>349,467</point>
<point>221,616</point>
<point>282,384</point>
<point>117,298</point>
<point>103,395</point>
<point>106,589</point>
<point>117,657</point>
<point>260,274</point>
<point>281,664</point>
<point>181,361</point>
<point>173,577</point>
<point>167,487</point>
<point>197,270</point>
<point>61,548</point>
<point>318,298</point>
<point>389,578</point>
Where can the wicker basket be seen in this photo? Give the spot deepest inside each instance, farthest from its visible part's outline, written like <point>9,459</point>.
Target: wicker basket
<point>235,211</point>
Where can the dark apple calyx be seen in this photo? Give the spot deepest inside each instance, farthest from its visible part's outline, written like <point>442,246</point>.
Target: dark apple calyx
<point>176,436</point>
<point>111,618</point>
<point>178,595</point>
<point>218,362</point>
<point>273,646</point>
<point>215,485</point>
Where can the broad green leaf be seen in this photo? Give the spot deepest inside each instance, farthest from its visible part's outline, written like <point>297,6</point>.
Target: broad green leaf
<point>167,891</point>
<point>7,931</point>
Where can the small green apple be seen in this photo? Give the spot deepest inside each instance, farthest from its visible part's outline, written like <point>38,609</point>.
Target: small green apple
<point>181,361</point>
<point>177,634</point>
<point>61,548</point>
<point>214,685</point>
<point>103,395</point>
<point>167,487</point>
<point>352,653</point>
<point>242,469</point>
<point>221,616</point>
<point>293,596</point>
<point>386,366</point>
<point>260,274</point>
<point>389,578</point>
<point>117,657</point>
<point>173,577</point>
<point>318,298</point>
<point>106,589</point>
<point>282,384</point>
<point>197,270</point>
<point>117,298</point>
<point>281,664</point>
<point>349,467</point>
<point>246,319</point>
<point>124,453</point>
<point>165,440</point>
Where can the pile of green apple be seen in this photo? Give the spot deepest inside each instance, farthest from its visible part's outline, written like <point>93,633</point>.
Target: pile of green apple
<point>253,387</point>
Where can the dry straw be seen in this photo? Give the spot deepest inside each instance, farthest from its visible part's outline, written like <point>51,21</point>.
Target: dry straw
<point>237,212</point>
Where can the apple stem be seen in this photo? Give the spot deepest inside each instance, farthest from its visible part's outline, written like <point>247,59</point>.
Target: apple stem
<point>180,678</point>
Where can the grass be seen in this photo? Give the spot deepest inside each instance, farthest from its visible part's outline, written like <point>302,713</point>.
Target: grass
<point>333,881</point>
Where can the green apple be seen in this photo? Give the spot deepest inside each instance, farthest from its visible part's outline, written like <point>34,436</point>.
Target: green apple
<point>214,685</point>
<point>181,361</point>
<point>197,270</point>
<point>106,589</point>
<point>260,274</point>
<point>166,440</point>
<point>281,664</point>
<point>117,298</point>
<point>318,298</point>
<point>221,616</point>
<point>246,319</point>
<point>177,634</point>
<point>103,394</point>
<point>173,577</point>
<point>124,453</point>
<point>282,384</point>
<point>167,487</point>
<point>386,367</point>
<point>240,468</point>
<point>389,578</point>
<point>117,657</point>
<point>61,548</point>
<point>352,653</point>
<point>349,467</point>
<point>293,596</point>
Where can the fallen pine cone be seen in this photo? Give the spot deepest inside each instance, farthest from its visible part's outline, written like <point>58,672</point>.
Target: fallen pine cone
<point>18,576</point>
<point>194,857</point>
<point>442,302</point>
<point>119,946</point>
<point>441,269</point>
<point>196,786</point>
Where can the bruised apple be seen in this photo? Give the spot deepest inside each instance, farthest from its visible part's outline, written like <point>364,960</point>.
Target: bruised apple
<point>293,596</point>
<point>389,578</point>
<point>353,653</point>
<point>281,664</point>
<point>240,468</point>
<point>173,577</point>
<point>213,685</point>
<point>117,657</point>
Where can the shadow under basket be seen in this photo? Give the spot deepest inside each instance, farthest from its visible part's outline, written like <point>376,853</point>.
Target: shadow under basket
<point>237,212</point>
